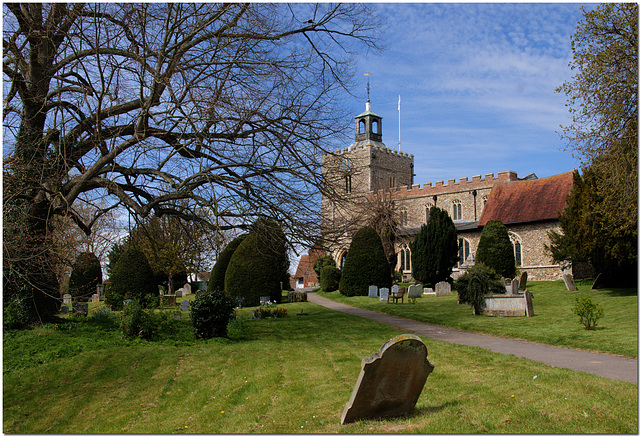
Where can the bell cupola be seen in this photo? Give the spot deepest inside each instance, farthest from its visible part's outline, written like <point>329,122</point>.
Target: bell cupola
<point>369,127</point>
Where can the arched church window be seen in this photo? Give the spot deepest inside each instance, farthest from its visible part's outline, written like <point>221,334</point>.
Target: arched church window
<point>375,127</point>
<point>342,259</point>
<point>516,243</point>
<point>463,251</point>
<point>362,126</point>
<point>405,259</point>
<point>457,210</point>
<point>404,217</point>
<point>427,211</point>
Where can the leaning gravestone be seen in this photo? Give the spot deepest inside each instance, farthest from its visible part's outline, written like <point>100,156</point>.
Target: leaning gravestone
<point>186,289</point>
<point>597,283</point>
<point>66,299</point>
<point>81,308</point>
<point>415,291</point>
<point>373,291</point>
<point>390,381</point>
<point>184,305</point>
<point>384,294</point>
<point>568,281</point>
<point>528,297</point>
<point>64,309</point>
<point>443,288</point>
<point>523,281</point>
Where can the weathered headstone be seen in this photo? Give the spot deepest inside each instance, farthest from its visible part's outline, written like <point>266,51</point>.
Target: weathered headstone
<point>415,291</point>
<point>265,300</point>
<point>443,288</point>
<point>179,293</point>
<point>81,308</point>
<point>597,283</point>
<point>428,291</point>
<point>184,305</point>
<point>513,288</point>
<point>384,294</point>
<point>568,281</point>
<point>395,289</point>
<point>66,299</point>
<point>523,281</point>
<point>95,298</point>
<point>64,309</point>
<point>186,289</point>
<point>240,302</point>
<point>390,380</point>
<point>373,291</point>
<point>529,299</point>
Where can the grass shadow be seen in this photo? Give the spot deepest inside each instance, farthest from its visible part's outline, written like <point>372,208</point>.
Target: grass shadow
<point>424,410</point>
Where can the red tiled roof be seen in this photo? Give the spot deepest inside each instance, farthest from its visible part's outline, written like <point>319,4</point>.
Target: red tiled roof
<point>528,200</point>
<point>305,266</point>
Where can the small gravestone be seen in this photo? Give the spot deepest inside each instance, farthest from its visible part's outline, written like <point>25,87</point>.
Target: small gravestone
<point>523,281</point>
<point>184,305</point>
<point>81,308</point>
<point>415,291</point>
<point>428,291</point>
<point>239,302</point>
<point>395,289</point>
<point>512,289</point>
<point>66,299</point>
<point>186,289</point>
<point>568,281</point>
<point>390,381</point>
<point>373,291</point>
<point>265,300</point>
<point>179,293</point>
<point>95,298</point>
<point>529,303</point>
<point>597,283</point>
<point>64,309</point>
<point>384,294</point>
<point>443,288</point>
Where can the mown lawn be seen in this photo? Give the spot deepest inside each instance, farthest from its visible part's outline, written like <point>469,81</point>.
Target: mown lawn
<point>554,323</point>
<point>290,375</point>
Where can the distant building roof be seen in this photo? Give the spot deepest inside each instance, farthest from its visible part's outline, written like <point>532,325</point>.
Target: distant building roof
<point>528,200</point>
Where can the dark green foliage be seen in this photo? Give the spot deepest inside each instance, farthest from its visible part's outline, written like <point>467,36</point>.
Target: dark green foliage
<point>330,280</point>
<point>296,297</point>
<point>114,254</point>
<point>366,264</point>
<point>211,312</point>
<point>131,278</point>
<point>587,234</point>
<point>495,249</point>
<point>143,324</point>
<point>434,251</point>
<point>85,276</point>
<point>216,281</point>
<point>259,266</point>
<point>477,282</point>
<point>320,263</point>
<point>17,313</point>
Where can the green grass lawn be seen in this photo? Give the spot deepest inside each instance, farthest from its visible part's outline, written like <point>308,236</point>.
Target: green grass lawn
<point>289,375</point>
<point>554,323</point>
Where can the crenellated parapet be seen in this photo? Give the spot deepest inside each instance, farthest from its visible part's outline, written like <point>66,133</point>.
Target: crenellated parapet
<point>363,145</point>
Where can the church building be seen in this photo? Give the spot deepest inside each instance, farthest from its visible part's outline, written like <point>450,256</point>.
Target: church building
<point>368,170</point>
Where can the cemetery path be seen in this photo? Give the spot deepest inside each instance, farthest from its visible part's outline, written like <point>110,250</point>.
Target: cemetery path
<point>604,365</point>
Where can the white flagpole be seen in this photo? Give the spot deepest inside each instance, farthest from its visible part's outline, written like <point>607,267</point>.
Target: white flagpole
<point>398,122</point>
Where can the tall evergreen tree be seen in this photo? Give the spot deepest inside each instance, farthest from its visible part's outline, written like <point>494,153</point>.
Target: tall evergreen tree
<point>434,251</point>
<point>495,249</point>
<point>85,276</point>
<point>216,280</point>
<point>365,265</point>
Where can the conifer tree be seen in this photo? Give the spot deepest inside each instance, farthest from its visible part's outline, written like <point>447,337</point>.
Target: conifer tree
<point>365,265</point>
<point>495,249</point>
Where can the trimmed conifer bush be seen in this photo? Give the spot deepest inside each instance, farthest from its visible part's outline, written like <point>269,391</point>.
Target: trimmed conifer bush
<point>330,278</point>
<point>259,266</point>
<point>85,276</point>
<point>216,281</point>
<point>495,249</point>
<point>131,278</point>
<point>434,251</point>
<point>365,265</point>
<point>320,263</point>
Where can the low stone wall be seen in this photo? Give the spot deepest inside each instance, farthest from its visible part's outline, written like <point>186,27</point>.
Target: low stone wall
<point>506,305</point>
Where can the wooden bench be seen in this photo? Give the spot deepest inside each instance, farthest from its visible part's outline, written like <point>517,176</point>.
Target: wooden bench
<point>398,296</point>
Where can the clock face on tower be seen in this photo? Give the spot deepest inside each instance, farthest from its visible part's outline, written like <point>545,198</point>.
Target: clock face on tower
<point>346,166</point>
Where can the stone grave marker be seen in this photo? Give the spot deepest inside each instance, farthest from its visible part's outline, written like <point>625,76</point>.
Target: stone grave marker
<point>597,283</point>
<point>184,305</point>
<point>384,294</point>
<point>265,300</point>
<point>390,380</point>
<point>512,289</point>
<point>179,293</point>
<point>523,281</point>
<point>415,291</point>
<point>64,309</point>
<point>443,288</point>
<point>568,281</point>
<point>529,303</point>
<point>239,302</point>
<point>428,291</point>
<point>81,308</point>
<point>186,289</point>
<point>394,289</point>
<point>373,291</point>
<point>66,299</point>
<point>95,298</point>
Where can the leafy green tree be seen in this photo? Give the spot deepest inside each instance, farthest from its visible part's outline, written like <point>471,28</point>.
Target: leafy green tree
<point>259,266</point>
<point>366,264</point>
<point>477,282</point>
<point>320,263</point>
<point>216,280</point>
<point>603,101</point>
<point>495,249</point>
<point>434,251</point>
<point>85,276</point>
<point>131,278</point>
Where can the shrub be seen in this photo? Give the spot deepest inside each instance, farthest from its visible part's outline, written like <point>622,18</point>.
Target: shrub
<point>85,276</point>
<point>296,297</point>
<point>216,281</point>
<point>259,266</point>
<point>330,280</point>
<point>16,313</point>
<point>131,278</point>
<point>477,282</point>
<point>434,251</point>
<point>495,249</point>
<point>589,312</point>
<point>143,324</point>
<point>266,312</point>
<point>320,263</point>
<point>238,329</point>
<point>365,265</point>
<point>211,312</point>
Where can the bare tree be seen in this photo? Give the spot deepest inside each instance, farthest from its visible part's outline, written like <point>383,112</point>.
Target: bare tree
<point>228,106</point>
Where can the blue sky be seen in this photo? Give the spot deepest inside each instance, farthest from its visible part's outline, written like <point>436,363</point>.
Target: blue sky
<point>477,85</point>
